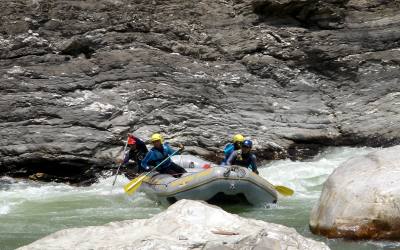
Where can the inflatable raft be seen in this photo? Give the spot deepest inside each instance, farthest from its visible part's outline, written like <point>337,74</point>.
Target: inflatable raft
<point>208,182</point>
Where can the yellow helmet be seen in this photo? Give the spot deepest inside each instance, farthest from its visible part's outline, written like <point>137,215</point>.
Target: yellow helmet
<point>238,138</point>
<point>156,137</point>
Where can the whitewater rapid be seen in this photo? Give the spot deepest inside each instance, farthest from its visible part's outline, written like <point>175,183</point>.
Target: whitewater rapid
<point>30,210</point>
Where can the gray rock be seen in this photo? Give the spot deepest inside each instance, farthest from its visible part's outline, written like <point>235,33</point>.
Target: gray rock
<point>184,225</point>
<point>76,76</point>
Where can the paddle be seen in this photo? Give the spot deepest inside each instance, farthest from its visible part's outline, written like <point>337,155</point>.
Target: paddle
<point>119,166</point>
<point>134,184</point>
<point>284,190</point>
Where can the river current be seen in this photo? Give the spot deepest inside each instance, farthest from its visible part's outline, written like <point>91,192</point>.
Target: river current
<point>31,210</point>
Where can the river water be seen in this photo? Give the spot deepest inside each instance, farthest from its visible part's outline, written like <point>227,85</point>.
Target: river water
<point>29,210</point>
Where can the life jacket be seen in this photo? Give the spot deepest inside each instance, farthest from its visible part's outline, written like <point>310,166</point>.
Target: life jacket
<point>245,161</point>
<point>229,148</point>
<point>158,156</point>
<point>137,155</point>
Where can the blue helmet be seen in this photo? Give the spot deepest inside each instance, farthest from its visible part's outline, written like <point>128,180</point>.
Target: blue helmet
<point>247,144</point>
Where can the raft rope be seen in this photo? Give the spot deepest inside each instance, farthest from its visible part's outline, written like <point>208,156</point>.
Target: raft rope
<point>166,184</point>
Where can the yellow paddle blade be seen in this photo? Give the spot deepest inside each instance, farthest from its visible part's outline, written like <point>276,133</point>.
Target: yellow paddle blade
<point>284,190</point>
<point>134,184</point>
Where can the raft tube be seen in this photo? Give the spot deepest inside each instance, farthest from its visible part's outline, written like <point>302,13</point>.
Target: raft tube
<point>209,182</point>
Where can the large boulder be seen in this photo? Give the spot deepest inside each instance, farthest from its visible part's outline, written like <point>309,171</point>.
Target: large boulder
<point>361,198</point>
<point>185,225</point>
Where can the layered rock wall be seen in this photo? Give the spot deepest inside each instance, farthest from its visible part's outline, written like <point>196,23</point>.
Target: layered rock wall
<point>293,75</point>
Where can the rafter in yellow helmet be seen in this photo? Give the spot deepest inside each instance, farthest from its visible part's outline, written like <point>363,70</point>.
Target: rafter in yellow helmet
<point>238,138</point>
<point>156,137</point>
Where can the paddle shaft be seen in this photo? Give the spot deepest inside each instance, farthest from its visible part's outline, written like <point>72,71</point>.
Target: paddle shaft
<point>139,181</point>
<point>119,166</point>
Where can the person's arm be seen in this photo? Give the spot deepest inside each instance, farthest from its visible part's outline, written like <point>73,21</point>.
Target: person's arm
<point>126,159</point>
<point>121,160</point>
<point>170,150</point>
<point>149,156</point>
<point>253,163</point>
<point>231,158</point>
<point>229,148</point>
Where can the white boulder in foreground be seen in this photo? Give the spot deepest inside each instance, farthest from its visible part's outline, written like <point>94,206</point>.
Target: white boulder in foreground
<point>361,198</point>
<point>184,225</point>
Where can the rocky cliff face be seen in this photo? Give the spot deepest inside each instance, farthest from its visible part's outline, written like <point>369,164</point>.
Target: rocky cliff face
<point>293,75</point>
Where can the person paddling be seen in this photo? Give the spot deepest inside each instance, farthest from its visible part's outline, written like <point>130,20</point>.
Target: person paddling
<point>137,151</point>
<point>231,147</point>
<point>157,154</point>
<point>244,157</point>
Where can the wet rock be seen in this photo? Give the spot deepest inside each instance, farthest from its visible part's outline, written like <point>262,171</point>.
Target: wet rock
<point>39,176</point>
<point>184,225</point>
<point>360,199</point>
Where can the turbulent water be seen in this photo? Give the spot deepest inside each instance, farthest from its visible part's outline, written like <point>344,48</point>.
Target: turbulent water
<point>29,210</point>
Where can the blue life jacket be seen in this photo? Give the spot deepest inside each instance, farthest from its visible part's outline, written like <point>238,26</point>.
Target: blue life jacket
<point>156,156</point>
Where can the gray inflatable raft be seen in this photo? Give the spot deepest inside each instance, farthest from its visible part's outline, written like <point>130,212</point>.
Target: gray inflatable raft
<point>208,182</point>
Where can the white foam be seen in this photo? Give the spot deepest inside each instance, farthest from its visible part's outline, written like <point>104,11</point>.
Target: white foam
<point>4,209</point>
<point>306,178</point>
